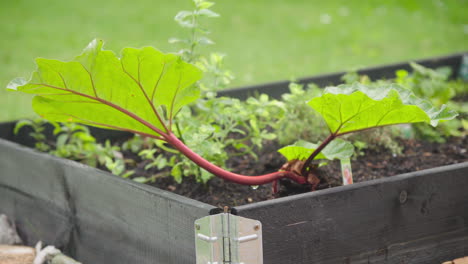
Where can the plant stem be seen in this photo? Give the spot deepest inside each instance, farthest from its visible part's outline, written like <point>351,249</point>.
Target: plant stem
<point>227,175</point>
<point>193,44</point>
<point>309,160</point>
<point>179,132</point>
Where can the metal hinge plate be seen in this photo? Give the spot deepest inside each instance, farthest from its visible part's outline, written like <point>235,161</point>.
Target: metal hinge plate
<point>226,238</point>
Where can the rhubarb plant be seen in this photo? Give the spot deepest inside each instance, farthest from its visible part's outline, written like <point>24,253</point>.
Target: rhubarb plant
<point>356,107</point>
<point>142,90</point>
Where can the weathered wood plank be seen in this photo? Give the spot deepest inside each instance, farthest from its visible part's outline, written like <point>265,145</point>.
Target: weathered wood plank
<point>95,216</point>
<point>352,223</point>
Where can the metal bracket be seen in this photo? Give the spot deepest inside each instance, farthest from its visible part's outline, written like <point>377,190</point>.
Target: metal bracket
<point>226,238</point>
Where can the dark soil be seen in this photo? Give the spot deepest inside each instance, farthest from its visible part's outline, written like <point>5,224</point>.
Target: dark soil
<point>417,155</point>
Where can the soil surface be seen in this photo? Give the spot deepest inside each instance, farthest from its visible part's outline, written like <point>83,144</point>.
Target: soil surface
<point>417,155</point>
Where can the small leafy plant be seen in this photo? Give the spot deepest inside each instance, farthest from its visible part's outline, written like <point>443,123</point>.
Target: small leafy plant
<point>38,126</point>
<point>437,88</point>
<point>143,90</point>
<point>198,34</point>
<point>75,142</point>
<point>299,120</point>
<point>215,76</point>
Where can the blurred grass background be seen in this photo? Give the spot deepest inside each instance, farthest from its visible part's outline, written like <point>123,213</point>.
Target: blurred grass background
<point>265,40</point>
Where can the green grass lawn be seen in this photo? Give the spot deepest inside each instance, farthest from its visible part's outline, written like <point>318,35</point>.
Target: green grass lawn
<point>265,40</point>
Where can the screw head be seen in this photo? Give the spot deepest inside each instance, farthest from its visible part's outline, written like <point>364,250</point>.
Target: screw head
<point>256,227</point>
<point>197,226</point>
<point>403,197</point>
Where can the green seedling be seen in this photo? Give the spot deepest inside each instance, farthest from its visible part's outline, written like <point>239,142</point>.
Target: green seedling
<point>437,88</point>
<point>38,126</point>
<point>75,142</point>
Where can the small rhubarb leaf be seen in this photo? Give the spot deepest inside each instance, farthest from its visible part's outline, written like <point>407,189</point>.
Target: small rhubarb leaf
<point>301,150</point>
<point>140,92</point>
<point>348,108</point>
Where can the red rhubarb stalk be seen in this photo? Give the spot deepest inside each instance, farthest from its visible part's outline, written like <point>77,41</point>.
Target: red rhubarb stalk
<point>309,160</point>
<point>227,175</point>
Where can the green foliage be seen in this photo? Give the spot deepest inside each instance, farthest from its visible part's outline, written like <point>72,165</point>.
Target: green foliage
<point>435,86</point>
<point>208,143</point>
<point>353,77</point>
<point>216,128</point>
<point>144,89</point>
<point>350,108</point>
<point>296,120</point>
<point>382,138</point>
<point>356,107</point>
<point>428,83</point>
<point>202,139</point>
<point>74,141</point>
<point>236,128</point>
<point>215,76</point>
<point>379,138</point>
<point>244,33</point>
<point>38,126</point>
<point>107,84</point>
<point>198,34</point>
<point>150,151</point>
<point>234,121</point>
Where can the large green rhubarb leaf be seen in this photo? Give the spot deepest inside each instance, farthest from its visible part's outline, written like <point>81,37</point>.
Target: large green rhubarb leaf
<point>301,150</point>
<point>349,108</point>
<point>140,91</point>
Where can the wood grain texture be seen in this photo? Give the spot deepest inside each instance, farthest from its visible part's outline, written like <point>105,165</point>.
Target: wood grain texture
<point>16,254</point>
<point>94,216</point>
<point>367,223</point>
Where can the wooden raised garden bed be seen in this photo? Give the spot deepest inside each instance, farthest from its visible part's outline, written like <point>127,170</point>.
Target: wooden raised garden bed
<point>95,217</point>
